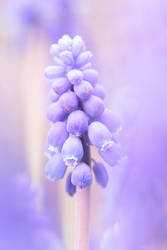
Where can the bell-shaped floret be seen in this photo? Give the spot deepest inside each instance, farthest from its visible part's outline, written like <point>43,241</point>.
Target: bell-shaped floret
<point>77,123</point>
<point>67,57</point>
<point>110,120</point>
<point>77,46</point>
<point>99,91</point>
<point>55,168</point>
<point>101,174</point>
<point>99,135</point>
<point>57,135</point>
<point>55,112</point>
<point>112,155</point>
<point>82,175</point>
<point>93,106</point>
<point>90,75</point>
<point>72,151</point>
<point>61,85</point>
<point>70,188</point>
<point>53,97</point>
<point>75,76</point>
<point>83,90</point>
<point>69,101</point>
<point>83,58</point>
<point>52,72</point>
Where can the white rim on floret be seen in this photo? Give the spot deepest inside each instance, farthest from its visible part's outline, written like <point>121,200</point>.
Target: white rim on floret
<point>51,149</point>
<point>107,145</point>
<point>71,161</point>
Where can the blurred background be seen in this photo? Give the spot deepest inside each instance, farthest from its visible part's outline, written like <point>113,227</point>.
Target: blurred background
<point>129,43</point>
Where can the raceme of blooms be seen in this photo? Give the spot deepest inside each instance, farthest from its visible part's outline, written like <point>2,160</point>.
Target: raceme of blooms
<point>77,111</point>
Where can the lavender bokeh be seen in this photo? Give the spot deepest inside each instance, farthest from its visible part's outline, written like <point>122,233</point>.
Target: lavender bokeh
<point>50,18</point>
<point>136,199</point>
<point>23,224</point>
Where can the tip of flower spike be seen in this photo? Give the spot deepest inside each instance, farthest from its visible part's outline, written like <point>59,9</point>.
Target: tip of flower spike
<point>65,43</point>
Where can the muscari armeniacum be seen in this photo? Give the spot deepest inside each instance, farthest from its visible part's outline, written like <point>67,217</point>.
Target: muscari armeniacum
<point>77,110</point>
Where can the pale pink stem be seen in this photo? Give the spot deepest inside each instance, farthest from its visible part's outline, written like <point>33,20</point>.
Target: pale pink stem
<point>81,241</point>
<point>82,219</point>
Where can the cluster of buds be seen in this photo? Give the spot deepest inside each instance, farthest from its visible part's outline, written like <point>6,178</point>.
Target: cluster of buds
<point>77,110</point>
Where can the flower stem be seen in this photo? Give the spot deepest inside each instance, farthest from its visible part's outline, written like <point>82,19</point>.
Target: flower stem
<point>81,240</point>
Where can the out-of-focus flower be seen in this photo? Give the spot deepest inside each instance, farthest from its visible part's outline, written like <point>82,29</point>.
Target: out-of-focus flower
<point>50,17</point>
<point>19,211</point>
<point>79,105</point>
<point>136,201</point>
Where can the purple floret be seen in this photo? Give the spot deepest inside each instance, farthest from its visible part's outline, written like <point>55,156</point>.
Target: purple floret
<point>77,123</point>
<point>55,168</point>
<point>101,174</point>
<point>82,175</point>
<point>72,151</point>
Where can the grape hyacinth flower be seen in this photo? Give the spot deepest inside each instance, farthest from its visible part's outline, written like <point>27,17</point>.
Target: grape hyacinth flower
<point>77,112</point>
<point>79,117</point>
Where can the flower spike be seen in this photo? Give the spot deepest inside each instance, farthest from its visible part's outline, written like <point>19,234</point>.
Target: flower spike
<point>79,118</point>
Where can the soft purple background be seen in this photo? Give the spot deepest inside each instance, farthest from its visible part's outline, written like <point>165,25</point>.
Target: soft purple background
<point>129,40</point>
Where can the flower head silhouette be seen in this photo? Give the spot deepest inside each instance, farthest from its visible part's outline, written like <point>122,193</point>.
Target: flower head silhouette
<point>77,111</point>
